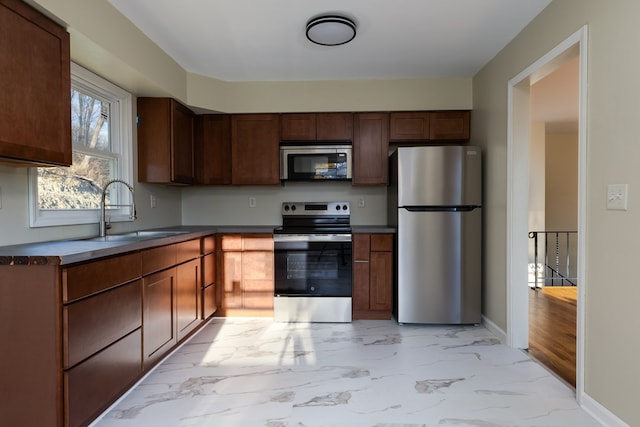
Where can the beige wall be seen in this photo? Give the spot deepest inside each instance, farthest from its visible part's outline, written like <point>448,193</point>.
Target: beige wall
<point>561,192</point>
<point>612,323</point>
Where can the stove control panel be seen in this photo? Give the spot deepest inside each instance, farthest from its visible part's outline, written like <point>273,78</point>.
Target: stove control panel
<point>316,208</point>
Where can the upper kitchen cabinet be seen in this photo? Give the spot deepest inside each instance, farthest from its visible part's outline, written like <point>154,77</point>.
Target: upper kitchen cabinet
<point>212,141</point>
<point>409,126</point>
<point>429,126</point>
<point>370,149</point>
<point>255,149</point>
<point>299,127</point>
<point>35,113</point>
<point>165,142</point>
<point>449,125</point>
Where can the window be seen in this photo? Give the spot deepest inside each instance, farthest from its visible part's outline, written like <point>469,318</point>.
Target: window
<point>102,150</point>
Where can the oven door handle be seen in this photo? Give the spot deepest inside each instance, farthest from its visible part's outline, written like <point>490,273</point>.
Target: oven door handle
<point>312,238</point>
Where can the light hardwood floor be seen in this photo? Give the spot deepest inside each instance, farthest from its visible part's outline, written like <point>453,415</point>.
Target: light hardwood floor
<point>552,329</point>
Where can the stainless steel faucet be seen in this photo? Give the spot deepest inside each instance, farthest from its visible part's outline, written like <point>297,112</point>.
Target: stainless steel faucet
<point>103,206</point>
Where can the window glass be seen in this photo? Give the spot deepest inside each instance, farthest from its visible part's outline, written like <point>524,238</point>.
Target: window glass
<point>100,132</point>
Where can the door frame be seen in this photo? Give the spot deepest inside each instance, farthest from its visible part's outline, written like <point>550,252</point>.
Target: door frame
<point>518,193</point>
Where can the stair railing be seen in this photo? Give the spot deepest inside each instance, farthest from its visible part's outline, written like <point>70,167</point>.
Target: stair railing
<point>557,268</point>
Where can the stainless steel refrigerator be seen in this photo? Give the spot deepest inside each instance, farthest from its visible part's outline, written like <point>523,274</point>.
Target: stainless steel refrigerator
<point>435,202</point>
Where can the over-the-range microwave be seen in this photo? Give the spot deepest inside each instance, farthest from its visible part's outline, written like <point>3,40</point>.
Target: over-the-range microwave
<point>328,162</point>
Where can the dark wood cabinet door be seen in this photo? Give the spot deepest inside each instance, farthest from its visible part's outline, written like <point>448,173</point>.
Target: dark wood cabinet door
<point>165,142</point>
<point>182,170</point>
<point>380,291</point>
<point>360,301</point>
<point>255,148</point>
<point>212,140</point>
<point>298,127</point>
<point>449,125</point>
<point>409,126</point>
<point>334,126</point>
<point>35,82</point>
<point>158,320</point>
<point>370,149</point>
<point>188,291</point>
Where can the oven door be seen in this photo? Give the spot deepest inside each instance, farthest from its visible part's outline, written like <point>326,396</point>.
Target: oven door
<point>308,265</point>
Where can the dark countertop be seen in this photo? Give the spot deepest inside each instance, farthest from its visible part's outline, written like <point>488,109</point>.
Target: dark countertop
<point>373,229</point>
<point>63,252</point>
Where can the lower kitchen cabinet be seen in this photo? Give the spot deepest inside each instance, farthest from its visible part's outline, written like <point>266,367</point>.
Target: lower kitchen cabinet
<point>101,379</point>
<point>92,328</point>
<point>188,293</point>
<point>209,288</point>
<point>158,315</point>
<point>171,297</point>
<point>372,276</point>
<point>246,275</point>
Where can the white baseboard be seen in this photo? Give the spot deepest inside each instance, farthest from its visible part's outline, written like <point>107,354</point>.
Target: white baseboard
<point>495,329</point>
<point>600,413</point>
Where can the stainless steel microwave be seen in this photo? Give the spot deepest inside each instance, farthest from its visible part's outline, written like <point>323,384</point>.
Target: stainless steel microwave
<point>315,162</point>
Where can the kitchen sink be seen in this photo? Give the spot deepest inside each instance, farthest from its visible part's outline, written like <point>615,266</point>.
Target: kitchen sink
<point>137,235</point>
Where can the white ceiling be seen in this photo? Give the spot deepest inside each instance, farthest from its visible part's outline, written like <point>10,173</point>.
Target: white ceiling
<point>264,40</point>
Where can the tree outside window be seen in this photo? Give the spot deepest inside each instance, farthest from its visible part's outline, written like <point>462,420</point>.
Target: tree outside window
<point>100,132</point>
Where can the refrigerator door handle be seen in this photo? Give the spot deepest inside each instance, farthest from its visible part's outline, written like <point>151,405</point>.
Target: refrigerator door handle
<point>441,208</point>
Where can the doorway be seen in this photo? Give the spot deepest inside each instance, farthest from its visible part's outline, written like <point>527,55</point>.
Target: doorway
<point>553,218</point>
<point>520,129</point>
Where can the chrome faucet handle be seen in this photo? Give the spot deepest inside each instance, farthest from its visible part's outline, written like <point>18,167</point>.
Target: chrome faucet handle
<point>105,222</point>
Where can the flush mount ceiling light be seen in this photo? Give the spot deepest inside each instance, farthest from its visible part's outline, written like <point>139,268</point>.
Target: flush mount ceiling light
<point>331,30</point>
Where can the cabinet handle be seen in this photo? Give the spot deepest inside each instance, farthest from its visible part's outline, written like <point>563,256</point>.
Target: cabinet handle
<point>360,260</point>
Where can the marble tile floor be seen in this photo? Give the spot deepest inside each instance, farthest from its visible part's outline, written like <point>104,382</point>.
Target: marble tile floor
<point>255,372</point>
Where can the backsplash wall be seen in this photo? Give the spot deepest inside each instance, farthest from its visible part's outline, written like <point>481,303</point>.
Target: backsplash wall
<point>230,205</point>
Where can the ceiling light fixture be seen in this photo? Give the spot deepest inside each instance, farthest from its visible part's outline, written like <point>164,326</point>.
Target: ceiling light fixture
<point>331,30</point>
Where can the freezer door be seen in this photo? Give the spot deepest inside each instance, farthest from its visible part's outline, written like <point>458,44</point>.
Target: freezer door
<point>439,267</point>
<point>439,176</point>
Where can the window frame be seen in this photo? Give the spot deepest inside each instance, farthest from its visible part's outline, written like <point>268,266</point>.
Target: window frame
<point>121,132</point>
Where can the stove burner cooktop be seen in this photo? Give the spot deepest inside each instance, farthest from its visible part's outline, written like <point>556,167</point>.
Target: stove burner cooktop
<point>315,218</point>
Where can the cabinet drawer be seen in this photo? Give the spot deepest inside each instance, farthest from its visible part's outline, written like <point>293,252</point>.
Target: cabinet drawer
<point>208,244</point>
<point>257,242</point>
<point>361,247</point>
<point>232,242</point>
<point>188,250</point>
<point>82,280</point>
<point>156,259</point>
<point>381,242</point>
<point>96,322</point>
<point>94,384</point>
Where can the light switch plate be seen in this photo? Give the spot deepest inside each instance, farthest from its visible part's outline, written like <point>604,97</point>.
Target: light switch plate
<point>617,197</point>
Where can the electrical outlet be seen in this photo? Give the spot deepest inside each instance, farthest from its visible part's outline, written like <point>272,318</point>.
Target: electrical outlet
<point>252,202</point>
<point>361,202</point>
<point>617,197</point>
<point>152,200</point>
